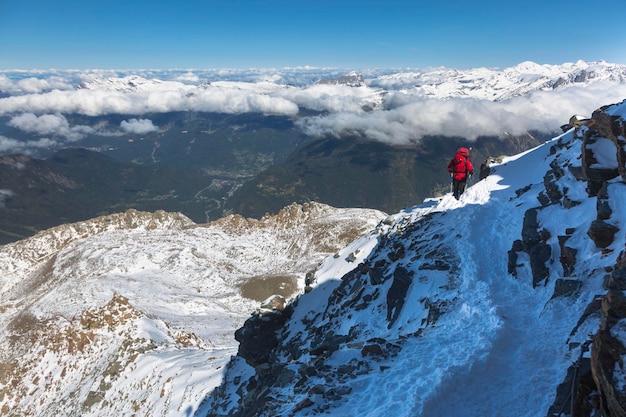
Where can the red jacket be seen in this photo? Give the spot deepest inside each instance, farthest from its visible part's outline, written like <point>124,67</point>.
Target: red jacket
<point>460,166</point>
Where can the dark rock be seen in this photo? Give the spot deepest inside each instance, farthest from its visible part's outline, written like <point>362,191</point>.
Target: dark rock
<point>330,343</point>
<point>396,253</point>
<point>589,161</point>
<point>512,265</point>
<point>617,279</point>
<point>307,402</point>
<point>552,189</point>
<point>602,233</point>
<point>397,294</point>
<point>566,287</point>
<point>594,187</point>
<point>539,255</point>
<point>543,199</point>
<point>257,338</point>
<point>373,349</point>
<point>568,256</point>
<point>377,272</point>
<point>607,350</point>
<point>602,205</point>
<point>530,228</point>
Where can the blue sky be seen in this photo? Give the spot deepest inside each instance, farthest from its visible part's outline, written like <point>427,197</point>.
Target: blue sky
<point>113,34</point>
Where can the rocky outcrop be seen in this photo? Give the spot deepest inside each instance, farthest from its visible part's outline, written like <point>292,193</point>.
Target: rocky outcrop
<point>257,338</point>
<point>301,366</point>
<point>533,242</point>
<point>607,366</point>
<point>602,127</point>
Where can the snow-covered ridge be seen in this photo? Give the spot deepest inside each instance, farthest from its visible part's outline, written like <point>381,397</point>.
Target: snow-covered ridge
<point>500,84</point>
<point>482,83</point>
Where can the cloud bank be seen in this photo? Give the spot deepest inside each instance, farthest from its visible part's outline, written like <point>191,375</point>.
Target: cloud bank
<point>11,146</point>
<point>138,126</point>
<point>468,118</point>
<point>391,106</point>
<point>50,124</point>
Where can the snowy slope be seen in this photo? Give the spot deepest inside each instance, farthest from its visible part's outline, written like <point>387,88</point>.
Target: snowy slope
<point>442,310</point>
<point>134,313</point>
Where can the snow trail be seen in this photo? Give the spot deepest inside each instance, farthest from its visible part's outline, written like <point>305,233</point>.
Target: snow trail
<point>526,342</point>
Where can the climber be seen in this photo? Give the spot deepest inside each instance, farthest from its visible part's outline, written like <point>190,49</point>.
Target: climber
<point>460,169</point>
<point>485,169</point>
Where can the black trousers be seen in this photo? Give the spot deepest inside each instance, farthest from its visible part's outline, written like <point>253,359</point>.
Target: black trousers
<point>458,187</point>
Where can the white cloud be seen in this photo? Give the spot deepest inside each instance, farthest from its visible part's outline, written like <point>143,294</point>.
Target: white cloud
<point>9,146</point>
<point>100,101</point>
<point>393,107</point>
<point>49,124</point>
<point>33,85</point>
<point>138,126</point>
<point>45,124</point>
<point>469,118</point>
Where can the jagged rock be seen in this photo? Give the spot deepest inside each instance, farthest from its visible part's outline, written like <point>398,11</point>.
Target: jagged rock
<point>543,199</point>
<point>539,255</point>
<point>530,228</point>
<point>579,377</point>
<point>397,294</point>
<point>602,233</point>
<point>610,127</point>
<point>257,337</point>
<point>568,256</point>
<point>590,163</point>
<point>373,349</point>
<point>566,287</point>
<point>553,192</point>
<point>307,402</point>
<point>516,247</point>
<point>607,351</point>
<point>329,344</point>
<point>377,272</point>
<point>602,206</point>
<point>397,253</point>
<point>534,242</point>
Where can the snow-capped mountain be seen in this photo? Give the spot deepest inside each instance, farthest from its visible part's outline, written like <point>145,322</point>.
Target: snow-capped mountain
<point>134,313</point>
<point>491,84</point>
<point>500,304</point>
<point>398,106</point>
<point>498,85</point>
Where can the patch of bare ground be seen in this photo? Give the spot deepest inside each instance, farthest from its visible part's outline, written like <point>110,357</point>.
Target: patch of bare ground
<point>261,287</point>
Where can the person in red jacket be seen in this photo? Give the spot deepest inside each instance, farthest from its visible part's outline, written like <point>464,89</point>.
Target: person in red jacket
<point>460,168</point>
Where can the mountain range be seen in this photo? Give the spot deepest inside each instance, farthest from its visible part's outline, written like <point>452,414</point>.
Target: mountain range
<point>509,301</point>
<point>212,143</point>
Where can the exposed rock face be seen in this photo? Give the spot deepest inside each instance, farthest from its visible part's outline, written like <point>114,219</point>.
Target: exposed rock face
<point>533,242</point>
<point>593,382</point>
<point>257,338</point>
<point>607,351</point>
<point>381,285</point>
<point>604,127</point>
